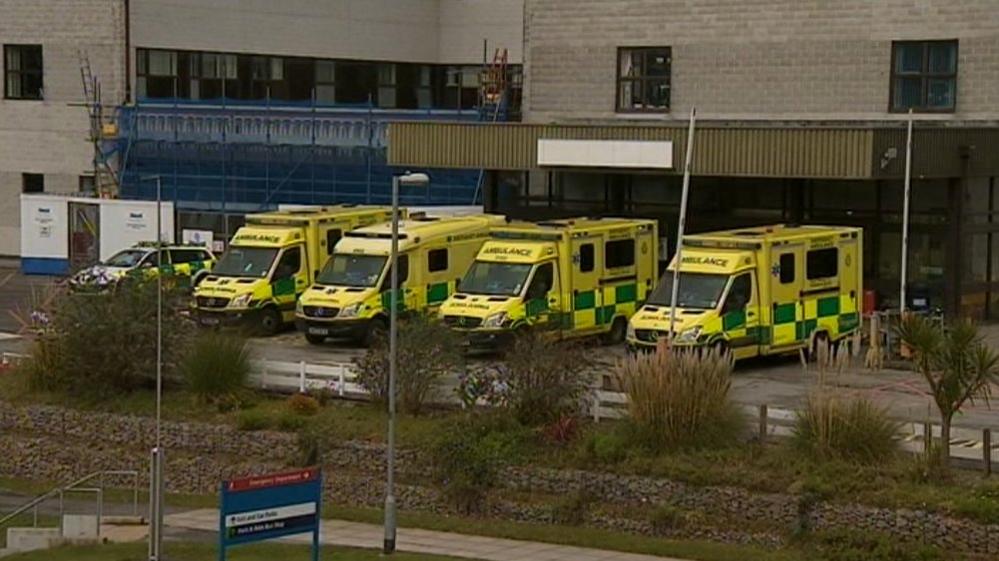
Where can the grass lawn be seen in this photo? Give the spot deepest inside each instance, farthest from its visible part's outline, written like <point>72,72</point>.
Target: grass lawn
<point>182,551</point>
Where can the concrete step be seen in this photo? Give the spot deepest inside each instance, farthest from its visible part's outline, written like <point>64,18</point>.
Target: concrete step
<point>79,526</point>
<point>31,539</point>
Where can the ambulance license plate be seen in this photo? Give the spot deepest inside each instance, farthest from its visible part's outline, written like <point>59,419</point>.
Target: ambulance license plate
<point>209,321</point>
<point>318,331</point>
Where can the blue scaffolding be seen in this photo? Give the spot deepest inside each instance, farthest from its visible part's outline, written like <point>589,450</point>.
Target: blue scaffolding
<point>247,156</point>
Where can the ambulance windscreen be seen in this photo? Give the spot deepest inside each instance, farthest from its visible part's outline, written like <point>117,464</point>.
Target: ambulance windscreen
<point>700,291</point>
<point>495,279</point>
<point>352,270</point>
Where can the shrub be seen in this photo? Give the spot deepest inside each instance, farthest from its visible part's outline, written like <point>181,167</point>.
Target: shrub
<point>100,345</point>
<point>469,456</point>
<point>252,420</point>
<point>855,430</point>
<point>571,510</point>
<point>543,379</point>
<point>304,405</point>
<point>216,367</point>
<point>427,350</point>
<point>666,517</point>
<point>606,447</point>
<point>680,398</point>
<point>290,421</point>
<point>562,431</point>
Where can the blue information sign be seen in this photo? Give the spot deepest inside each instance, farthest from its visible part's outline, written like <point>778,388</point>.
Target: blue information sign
<point>271,506</point>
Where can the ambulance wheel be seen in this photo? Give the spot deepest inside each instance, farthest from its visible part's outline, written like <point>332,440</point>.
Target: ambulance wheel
<point>821,341</point>
<point>720,347</point>
<point>314,339</point>
<point>377,329</point>
<point>270,321</point>
<point>617,333</point>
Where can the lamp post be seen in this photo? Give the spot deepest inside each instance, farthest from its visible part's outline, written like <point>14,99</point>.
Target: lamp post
<point>411,180</point>
<point>156,468</point>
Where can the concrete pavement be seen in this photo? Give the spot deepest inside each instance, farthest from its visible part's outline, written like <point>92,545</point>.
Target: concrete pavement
<point>354,534</point>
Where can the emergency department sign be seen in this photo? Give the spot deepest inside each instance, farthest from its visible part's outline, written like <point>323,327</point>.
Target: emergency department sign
<point>270,506</point>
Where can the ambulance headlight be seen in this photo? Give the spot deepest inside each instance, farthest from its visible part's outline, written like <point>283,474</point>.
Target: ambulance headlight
<point>631,331</point>
<point>299,307</point>
<point>689,335</point>
<point>351,311</point>
<point>241,301</point>
<point>495,320</point>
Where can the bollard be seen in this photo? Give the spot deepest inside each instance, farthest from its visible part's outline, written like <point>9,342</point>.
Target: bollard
<point>342,382</point>
<point>987,451</point>
<point>763,423</point>
<point>301,376</point>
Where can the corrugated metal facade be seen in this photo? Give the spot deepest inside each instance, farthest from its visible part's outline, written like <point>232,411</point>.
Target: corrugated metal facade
<point>844,153</point>
<point>751,152</point>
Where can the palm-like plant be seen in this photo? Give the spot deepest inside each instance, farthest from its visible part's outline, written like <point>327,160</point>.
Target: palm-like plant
<point>958,367</point>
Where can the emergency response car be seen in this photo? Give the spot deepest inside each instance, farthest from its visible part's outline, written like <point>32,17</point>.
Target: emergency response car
<point>576,277</point>
<point>759,291</point>
<point>351,296</point>
<point>186,265</point>
<point>271,261</point>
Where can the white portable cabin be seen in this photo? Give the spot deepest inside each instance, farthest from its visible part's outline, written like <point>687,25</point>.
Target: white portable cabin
<point>60,233</point>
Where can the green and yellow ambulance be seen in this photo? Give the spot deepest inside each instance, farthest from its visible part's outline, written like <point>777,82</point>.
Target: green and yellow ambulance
<point>759,291</point>
<point>575,277</point>
<point>272,260</point>
<point>351,296</point>
<point>182,265</point>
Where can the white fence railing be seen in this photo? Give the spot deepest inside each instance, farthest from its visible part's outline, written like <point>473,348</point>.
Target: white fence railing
<point>972,445</point>
<point>291,377</point>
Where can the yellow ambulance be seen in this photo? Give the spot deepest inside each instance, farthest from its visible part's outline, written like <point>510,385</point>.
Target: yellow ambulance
<point>271,261</point>
<point>577,277</point>
<point>351,296</point>
<point>759,291</point>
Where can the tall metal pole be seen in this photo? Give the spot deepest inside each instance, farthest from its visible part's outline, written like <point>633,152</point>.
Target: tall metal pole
<point>156,483</point>
<point>905,217</point>
<point>390,506</point>
<point>682,222</point>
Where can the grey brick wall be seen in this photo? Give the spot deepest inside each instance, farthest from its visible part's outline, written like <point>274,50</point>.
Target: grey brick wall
<point>754,59</point>
<point>50,136</point>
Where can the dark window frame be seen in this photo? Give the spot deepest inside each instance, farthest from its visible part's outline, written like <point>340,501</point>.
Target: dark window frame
<point>40,72</point>
<point>611,253</point>
<point>28,185</point>
<point>333,235</point>
<point>924,76</point>
<point>587,258</point>
<point>822,274</point>
<point>434,264</point>
<point>642,79</point>
<point>783,279</point>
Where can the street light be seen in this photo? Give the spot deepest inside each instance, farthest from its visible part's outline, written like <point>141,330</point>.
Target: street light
<point>410,180</point>
<point>156,472</point>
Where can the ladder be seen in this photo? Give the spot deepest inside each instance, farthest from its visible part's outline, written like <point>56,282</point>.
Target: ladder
<point>105,176</point>
<point>493,88</point>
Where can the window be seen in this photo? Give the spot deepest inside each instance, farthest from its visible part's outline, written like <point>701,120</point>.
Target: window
<point>332,236</point>
<point>86,184</point>
<point>325,81</point>
<point>386,85</point>
<point>151,260</point>
<point>924,75</point>
<point>739,294</point>
<point>643,79</point>
<point>22,71</point>
<point>619,253</point>
<point>290,263</point>
<point>586,261</point>
<point>186,255</point>
<point>437,260</point>
<point>403,261</point>
<point>32,183</point>
<point>822,263</point>
<point>787,268</point>
<point>542,282</point>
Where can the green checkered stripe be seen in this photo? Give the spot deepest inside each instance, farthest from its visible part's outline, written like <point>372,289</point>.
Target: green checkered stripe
<point>836,314</point>
<point>614,301</point>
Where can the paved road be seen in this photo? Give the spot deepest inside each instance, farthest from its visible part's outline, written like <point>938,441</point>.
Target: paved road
<point>777,382</point>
